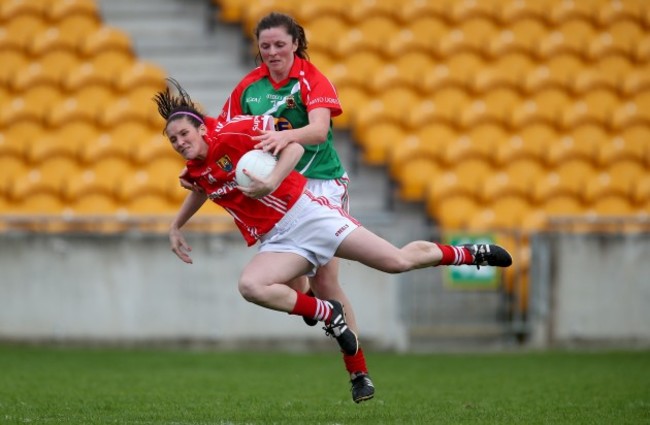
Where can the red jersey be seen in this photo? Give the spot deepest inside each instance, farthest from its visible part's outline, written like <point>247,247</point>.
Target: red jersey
<point>216,175</point>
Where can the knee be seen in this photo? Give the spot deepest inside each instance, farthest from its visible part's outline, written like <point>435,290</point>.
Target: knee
<point>251,290</point>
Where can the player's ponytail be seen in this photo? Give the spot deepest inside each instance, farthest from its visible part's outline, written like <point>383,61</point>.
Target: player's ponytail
<point>172,106</point>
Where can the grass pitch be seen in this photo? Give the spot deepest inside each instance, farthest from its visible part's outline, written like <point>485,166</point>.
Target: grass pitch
<point>78,386</point>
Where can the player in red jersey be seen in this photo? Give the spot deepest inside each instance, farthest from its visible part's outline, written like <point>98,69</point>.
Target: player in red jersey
<point>297,231</point>
<point>287,86</point>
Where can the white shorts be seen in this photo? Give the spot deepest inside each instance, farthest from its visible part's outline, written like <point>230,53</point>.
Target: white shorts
<point>313,228</point>
<point>336,190</point>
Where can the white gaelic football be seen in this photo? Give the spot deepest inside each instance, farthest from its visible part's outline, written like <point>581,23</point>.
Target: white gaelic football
<point>255,162</point>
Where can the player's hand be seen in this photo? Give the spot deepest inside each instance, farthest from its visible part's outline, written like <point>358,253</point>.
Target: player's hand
<point>187,184</point>
<point>179,246</point>
<point>272,141</point>
<point>258,188</point>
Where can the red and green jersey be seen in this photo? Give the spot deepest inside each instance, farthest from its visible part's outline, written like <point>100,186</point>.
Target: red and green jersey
<point>289,102</point>
<point>216,175</point>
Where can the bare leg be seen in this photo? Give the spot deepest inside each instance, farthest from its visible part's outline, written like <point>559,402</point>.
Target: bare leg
<point>263,279</point>
<point>325,285</point>
<point>367,248</point>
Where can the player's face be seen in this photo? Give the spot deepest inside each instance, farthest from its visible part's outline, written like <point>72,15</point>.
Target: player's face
<point>186,139</point>
<point>276,48</point>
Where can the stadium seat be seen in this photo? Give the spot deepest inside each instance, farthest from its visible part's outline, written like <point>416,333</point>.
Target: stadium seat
<point>519,37</point>
<point>70,110</point>
<point>562,12</point>
<point>569,148</point>
<point>105,38</point>
<point>413,167</point>
<point>467,147</point>
<point>52,146</point>
<point>640,195</point>
<point>33,75</point>
<point>95,96</point>
<point>504,212</point>
<point>13,60</point>
<point>445,106</point>
<point>621,149</point>
<point>85,74</point>
<point>410,10</point>
<point>141,74</point>
<point>147,145</point>
<point>421,34</point>
<point>450,184</point>
<point>440,77</point>
<point>53,38</point>
<point>307,11</point>
<point>454,213</point>
<point>106,146</point>
<point>618,39</point>
<point>358,11</point>
<point>470,34</point>
<point>11,9</point>
<point>377,139</point>
<point>63,9</point>
<point>19,110</point>
<point>356,69</point>
<point>408,70</point>
<point>516,11</point>
<point>19,30</point>
<point>352,99</point>
<point>527,143</point>
<point>464,65</point>
<point>59,62</point>
<point>568,38</point>
<point>370,34</point>
<point>322,30</point>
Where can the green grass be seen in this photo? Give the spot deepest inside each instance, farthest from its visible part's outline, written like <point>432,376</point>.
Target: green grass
<point>77,386</point>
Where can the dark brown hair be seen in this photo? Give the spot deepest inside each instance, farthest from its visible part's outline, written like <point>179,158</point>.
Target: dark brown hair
<point>173,106</point>
<point>295,30</point>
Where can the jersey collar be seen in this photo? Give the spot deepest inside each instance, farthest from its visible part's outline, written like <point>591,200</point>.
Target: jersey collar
<point>294,72</point>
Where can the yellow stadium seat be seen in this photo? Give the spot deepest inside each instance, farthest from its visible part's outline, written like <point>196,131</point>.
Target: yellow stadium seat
<point>53,146</point>
<point>505,212</point>
<point>495,105</point>
<point>84,24</point>
<point>408,69</point>
<point>513,181</point>
<point>20,110</point>
<point>446,105</point>
<point>352,99</point>
<point>640,195</point>
<point>451,184</point>
<point>519,37</point>
<point>641,48</point>
<point>13,61</point>
<point>612,205</point>
<point>635,81</point>
<point>105,38</point>
<point>93,202</point>
<point>371,34</point>
<point>622,149</point>
<point>35,74</point>
<point>569,148</point>
<point>141,73</point>
<point>88,182</point>
<point>125,109</point>
<point>104,146</point>
<point>568,38</point>
<point>465,65</point>
<point>391,104</point>
<point>307,11</point>
<point>19,30</point>
<point>54,38</point>
<point>422,34</point>
<point>322,30</point>
<point>86,73</point>
<point>471,34</point>
<point>414,176</point>
<point>629,114</point>
<point>95,96</point>
<point>517,11</point>
<point>356,69</point>
<point>410,10</point>
<point>358,11</point>
<point>572,11</point>
<point>70,110</point>
<point>466,147</point>
<point>10,9</point>
<point>63,9</point>
<point>454,213</point>
<point>40,202</point>
<point>377,139</point>
<point>619,38</point>
<point>522,145</point>
<point>440,77</point>
<point>38,180</point>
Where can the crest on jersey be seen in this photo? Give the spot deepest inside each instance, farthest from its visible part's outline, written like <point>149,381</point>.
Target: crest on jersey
<point>290,101</point>
<point>225,163</point>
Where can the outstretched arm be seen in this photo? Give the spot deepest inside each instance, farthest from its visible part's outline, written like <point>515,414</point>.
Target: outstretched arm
<point>191,205</point>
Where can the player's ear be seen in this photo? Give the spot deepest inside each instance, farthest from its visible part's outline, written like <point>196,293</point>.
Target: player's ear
<point>203,130</point>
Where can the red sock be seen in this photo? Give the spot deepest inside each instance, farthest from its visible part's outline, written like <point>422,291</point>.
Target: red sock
<point>311,307</point>
<point>454,255</point>
<point>356,363</point>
